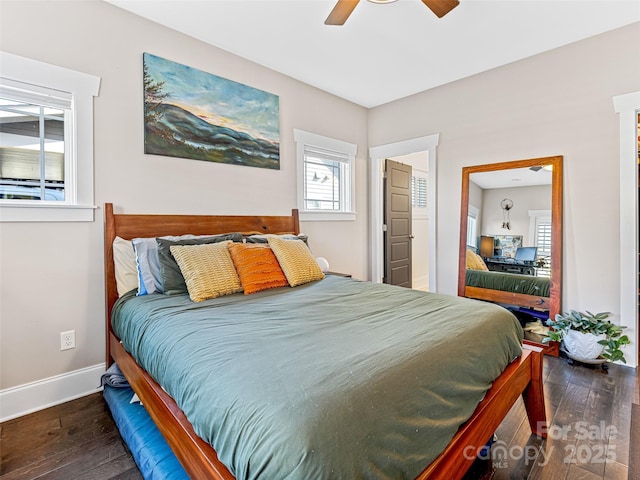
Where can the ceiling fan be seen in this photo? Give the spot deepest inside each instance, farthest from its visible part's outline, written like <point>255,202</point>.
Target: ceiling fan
<point>343,9</point>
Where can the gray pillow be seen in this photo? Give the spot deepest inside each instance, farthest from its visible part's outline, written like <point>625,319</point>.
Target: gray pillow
<point>172,280</point>
<point>265,238</point>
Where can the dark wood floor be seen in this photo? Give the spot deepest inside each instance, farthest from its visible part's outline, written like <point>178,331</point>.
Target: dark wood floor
<point>78,440</point>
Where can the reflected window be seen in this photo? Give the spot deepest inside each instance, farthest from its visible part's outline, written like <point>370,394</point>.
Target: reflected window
<point>419,190</point>
<point>541,228</point>
<point>472,226</point>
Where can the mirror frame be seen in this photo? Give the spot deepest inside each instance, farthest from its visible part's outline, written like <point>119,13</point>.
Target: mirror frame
<point>555,294</point>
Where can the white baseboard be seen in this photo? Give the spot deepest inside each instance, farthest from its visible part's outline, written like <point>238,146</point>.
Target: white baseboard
<point>421,283</point>
<point>34,396</point>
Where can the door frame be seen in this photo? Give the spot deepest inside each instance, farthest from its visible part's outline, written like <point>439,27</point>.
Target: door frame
<point>627,106</point>
<point>377,156</point>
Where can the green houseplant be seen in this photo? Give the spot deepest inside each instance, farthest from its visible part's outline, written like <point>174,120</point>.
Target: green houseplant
<point>588,336</point>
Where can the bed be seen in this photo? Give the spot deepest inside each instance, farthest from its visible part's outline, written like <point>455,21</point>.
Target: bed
<point>511,288</point>
<point>338,327</point>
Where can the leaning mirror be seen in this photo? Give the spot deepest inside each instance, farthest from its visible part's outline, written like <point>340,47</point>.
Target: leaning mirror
<point>511,239</point>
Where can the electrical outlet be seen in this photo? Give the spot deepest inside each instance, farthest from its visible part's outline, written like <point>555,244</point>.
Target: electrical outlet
<point>67,340</point>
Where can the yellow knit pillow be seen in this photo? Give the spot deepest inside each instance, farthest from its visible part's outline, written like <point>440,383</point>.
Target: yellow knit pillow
<point>480,262</point>
<point>207,269</point>
<point>296,261</point>
<point>472,261</point>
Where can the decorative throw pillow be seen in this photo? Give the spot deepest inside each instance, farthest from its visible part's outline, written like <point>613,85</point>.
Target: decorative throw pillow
<point>481,264</point>
<point>124,262</point>
<point>296,261</point>
<point>258,238</point>
<point>474,262</point>
<point>207,269</point>
<point>148,261</point>
<point>147,265</point>
<point>257,267</point>
<point>172,281</point>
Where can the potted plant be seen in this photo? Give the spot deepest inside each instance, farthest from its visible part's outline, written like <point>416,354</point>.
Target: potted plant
<point>588,337</point>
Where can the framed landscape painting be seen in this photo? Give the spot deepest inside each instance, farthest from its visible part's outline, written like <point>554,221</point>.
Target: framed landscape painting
<point>193,114</point>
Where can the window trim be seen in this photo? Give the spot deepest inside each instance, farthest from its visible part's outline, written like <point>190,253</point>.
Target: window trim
<point>302,139</point>
<point>420,212</point>
<point>473,213</point>
<point>80,188</point>
<point>627,106</point>
<point>536,219</point>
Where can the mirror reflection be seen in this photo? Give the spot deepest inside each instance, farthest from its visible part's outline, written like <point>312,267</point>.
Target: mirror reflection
<point>510,237</point>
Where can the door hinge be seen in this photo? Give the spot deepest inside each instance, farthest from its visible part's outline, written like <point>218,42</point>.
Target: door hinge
<point>384,227</point>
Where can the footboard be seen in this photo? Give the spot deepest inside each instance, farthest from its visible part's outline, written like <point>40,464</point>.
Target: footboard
<point>522,377</point>
<point>197,457</point>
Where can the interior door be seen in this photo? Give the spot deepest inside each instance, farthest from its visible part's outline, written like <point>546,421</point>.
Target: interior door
<point>397,224</point>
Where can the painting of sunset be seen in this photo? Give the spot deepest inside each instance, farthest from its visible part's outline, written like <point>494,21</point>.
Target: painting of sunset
<point>193,114</point>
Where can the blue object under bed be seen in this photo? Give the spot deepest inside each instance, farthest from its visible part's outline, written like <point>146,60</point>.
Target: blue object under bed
<point>152,454</point>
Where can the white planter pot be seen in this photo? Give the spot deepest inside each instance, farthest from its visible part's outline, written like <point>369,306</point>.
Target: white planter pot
<point>583,345</point>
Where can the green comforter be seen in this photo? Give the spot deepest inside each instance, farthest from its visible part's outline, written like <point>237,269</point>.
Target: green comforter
<point>336,379</point>
<point>509,282</point>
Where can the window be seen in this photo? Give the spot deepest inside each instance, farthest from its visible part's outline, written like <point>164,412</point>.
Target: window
<point>325,177</point>
<point>540,224</point>
<point>46,142</point>
<point>472,226</point>
<point>32,142</point>
<point>419,191</point>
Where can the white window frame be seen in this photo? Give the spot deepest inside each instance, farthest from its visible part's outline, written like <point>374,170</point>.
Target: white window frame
<point>419,211</point>
<point>349,150</point>
<point>79,195</point>
<point>536,218</point>
<point>473,213</point>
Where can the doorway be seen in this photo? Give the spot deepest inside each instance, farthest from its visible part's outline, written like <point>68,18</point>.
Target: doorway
<point>419,163</point>
<point>378,154</point>
<point>398,236</point>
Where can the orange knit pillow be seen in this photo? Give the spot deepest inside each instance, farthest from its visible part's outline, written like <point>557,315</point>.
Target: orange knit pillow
<point>257,267</point>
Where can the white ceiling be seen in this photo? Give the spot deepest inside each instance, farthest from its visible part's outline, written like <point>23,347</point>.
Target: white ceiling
<point>510,178</point>
<point>386,52</point>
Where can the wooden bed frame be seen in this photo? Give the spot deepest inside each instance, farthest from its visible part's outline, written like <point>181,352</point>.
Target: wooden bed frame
<point>510,298</point>
<point>521,299</point>
<point>522,377</point>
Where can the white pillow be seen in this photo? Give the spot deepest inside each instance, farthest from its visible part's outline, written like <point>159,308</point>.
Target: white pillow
<point>124,261</point>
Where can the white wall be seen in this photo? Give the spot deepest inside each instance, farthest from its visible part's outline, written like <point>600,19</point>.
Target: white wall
<point>52,273</point>
<point>524,199</point>
<point>556,103</point>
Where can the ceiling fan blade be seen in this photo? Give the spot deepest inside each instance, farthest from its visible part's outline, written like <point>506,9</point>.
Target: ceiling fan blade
<point>441,7</point>
<point>341,12</point>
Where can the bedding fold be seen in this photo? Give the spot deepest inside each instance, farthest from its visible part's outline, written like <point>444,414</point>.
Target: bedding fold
<point>509,282</point>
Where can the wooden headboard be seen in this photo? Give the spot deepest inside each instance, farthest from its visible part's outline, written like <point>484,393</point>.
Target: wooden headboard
<point>129,226</point>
